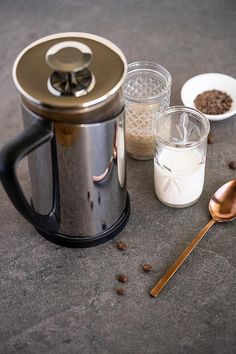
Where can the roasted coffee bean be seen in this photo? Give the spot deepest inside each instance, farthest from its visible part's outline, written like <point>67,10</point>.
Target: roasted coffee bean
<point>122,278</point>
<point>210,138</point>
<point>121,245</point>
<point>232,165</point>
<point>147,267</point>
<point>120,291</point>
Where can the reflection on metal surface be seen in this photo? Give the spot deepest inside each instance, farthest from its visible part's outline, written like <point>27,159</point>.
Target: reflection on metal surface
<point>85,161</point>
<point>101,177</point>
<point>105,173</point>
<point>68,84</point>
<point>121,152</point>
<point>67,135</point>
<point>118,155</point>
<point>40,171</point>
<point>92,176</point>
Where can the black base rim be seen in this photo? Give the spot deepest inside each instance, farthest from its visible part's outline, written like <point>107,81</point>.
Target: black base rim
<point>90,241</point>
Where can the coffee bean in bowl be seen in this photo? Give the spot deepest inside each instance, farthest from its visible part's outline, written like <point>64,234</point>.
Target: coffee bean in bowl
<point>213,102</point>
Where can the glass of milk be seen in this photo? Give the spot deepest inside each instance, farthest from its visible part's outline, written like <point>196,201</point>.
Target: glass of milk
<point>180,135</point>
<point>147,91</point>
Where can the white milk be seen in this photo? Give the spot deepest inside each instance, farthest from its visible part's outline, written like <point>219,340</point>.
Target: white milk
<point>179,176</point>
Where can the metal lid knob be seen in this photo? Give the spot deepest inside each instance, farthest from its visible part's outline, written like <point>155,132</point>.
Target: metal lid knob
<point>69,60</point>
<point>69,56</point>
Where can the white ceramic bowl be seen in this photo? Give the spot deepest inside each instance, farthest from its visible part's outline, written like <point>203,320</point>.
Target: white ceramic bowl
<point>210,81</point>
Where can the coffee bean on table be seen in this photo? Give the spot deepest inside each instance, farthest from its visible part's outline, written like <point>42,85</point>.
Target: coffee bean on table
<point>147,267</point>
<point>232,165</point>
<point>122,278</point>
<point>120,291</point>
<point>121,245</point>
<point>210,138</point>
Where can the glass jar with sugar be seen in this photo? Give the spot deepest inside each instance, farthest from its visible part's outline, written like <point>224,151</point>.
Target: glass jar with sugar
<point>146,91</point>
<point>180,154</point>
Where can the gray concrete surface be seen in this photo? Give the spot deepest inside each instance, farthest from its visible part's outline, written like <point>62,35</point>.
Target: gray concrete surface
<point>58,300</point>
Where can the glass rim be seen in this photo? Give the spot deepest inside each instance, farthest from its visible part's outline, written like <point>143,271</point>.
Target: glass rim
<point>147,65</point>
<point>199,115</point>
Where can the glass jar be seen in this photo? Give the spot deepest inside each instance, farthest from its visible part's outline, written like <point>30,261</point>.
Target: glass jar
<point>146,91</point>
<point>180,154</point>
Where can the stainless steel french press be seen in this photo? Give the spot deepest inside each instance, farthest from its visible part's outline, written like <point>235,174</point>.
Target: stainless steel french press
<point>74,137</point>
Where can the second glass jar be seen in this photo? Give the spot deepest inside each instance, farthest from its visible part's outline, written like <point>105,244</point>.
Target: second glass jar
<point>180,155</point>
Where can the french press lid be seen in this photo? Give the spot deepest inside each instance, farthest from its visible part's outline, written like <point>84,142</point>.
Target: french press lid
<point>73,77</point>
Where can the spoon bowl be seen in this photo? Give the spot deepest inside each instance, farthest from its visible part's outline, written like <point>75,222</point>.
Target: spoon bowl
<point>222,205</point>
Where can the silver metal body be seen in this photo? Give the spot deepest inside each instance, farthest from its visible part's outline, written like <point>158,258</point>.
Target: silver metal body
<point>91,163</point>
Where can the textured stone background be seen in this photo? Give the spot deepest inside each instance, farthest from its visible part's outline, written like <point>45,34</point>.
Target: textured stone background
<point>58,300</point>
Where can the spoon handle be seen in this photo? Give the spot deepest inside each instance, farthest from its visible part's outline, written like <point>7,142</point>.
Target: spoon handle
<point>168,275</point>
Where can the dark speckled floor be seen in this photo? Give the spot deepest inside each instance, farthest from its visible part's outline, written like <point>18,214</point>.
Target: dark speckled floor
<point>57,300</point>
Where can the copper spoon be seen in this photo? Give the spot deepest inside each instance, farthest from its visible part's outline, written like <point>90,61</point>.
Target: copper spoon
<point>222,207</point>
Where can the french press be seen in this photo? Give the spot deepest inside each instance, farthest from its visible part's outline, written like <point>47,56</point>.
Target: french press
<point>74,137</point>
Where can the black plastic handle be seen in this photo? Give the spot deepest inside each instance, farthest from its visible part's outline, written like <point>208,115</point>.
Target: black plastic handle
<point>10,156</point>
